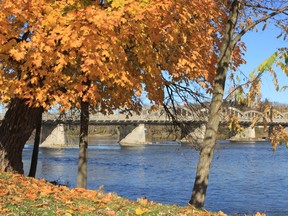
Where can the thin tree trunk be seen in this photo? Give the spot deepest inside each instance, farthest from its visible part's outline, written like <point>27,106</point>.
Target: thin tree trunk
<point>203,169</point>
<point>17,126</point>
<point>34,159</point>
<point>83,145</point>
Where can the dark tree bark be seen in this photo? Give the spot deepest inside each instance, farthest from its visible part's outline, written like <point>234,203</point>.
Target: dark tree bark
<point>83,145</point>
<point>17,126</point>
<point>34,160</point>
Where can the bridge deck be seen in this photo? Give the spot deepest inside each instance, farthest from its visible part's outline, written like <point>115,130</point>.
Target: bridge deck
<point>159,117</point>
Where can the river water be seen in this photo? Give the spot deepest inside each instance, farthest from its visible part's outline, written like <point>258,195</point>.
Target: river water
<point>245,177</point>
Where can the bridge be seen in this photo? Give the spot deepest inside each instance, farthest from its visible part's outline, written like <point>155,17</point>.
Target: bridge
<point>132,128</point>
<point>273,117</point>
<point>160,117</point>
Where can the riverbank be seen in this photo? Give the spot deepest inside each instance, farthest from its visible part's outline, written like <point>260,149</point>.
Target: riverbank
<point>21,195</point>
<point>238,180</point>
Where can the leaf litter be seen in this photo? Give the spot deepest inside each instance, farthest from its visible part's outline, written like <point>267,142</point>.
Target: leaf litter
<point>20,195</point>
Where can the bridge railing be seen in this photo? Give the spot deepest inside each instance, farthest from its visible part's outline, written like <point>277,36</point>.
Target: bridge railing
<point>124,117</point>
<point>160,115</point>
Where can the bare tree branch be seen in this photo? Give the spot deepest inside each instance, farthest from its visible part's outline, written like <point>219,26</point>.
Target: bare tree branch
<point>256,22</point>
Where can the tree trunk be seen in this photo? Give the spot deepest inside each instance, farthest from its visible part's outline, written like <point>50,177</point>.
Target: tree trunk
<point>83,145</point>
<point>203,169</point>
<point>34,159</point>
<point>17,126</point>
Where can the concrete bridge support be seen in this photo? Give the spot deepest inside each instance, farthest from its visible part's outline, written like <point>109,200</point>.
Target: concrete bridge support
<point>246,134</point>
<point>54,138</point>
<point>46,130</point>
<point>193,134</point>
<point>130,136</point>
<point>124,130</point>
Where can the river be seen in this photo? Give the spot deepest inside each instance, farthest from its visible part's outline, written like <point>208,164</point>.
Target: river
<point>245,177</point>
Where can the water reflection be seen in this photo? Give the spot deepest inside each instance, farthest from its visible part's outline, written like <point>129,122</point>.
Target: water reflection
<point>244,178</point>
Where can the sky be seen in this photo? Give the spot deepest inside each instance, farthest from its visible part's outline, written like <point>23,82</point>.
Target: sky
<point>260,45</point>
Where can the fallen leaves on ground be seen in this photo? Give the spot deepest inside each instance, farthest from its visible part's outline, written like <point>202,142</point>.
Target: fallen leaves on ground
<point>20,195</point>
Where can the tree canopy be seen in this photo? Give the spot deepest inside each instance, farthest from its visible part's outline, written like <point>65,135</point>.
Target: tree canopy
<point>49,49</point>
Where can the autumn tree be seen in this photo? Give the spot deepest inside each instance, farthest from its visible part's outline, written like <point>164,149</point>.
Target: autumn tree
<point>50,49</point>
<point>278,60</point>
<point>243,16</point>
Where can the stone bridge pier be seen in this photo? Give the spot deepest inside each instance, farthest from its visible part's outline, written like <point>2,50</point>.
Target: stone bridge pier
<point>247,134</point>
<point>130,135</point>
<point>53,135</point>
<point>193,133</point>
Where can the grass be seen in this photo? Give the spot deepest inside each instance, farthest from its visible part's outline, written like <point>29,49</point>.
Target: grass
<point>20,195</point>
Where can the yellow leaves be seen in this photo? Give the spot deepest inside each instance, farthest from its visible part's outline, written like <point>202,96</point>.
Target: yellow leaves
<point>41,95</point>
<point>125,81</point>
<point>203,84</point>
<point>16,198</point>
<point>7,46</point>
<point>17,54</point>
<point>283,60</point>
<point>121,49</point>
<point>105,55</point>
<point>37,61</point>
<point>69,212</point>
<point>234,125</point>
<point>220,213</point>
<point>70,2</point>
<point>50,19</point>
<point>65,201</point>
<point>277,136</point>
<point>3,210</point>
<point>52,16</point>
<point>117,3</point>
<point>141,211</point>
<point>109,212</point>
<point>34,80</point>
<point>31,196</point>
<point>5,98</point>
<point>3,192</point>
<point>45,191</point>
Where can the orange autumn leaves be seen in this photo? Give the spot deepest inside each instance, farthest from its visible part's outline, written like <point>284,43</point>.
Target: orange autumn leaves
<point>18,190</point>
<point>21,195</point>
<point>49,49</point>
<point>28,196</point>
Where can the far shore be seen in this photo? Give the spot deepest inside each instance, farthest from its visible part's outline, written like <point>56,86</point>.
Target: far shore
<point>113,137</point>
<point>249,140</point>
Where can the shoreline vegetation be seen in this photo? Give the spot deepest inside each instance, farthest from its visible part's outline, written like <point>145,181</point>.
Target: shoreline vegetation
<point>22,195</point>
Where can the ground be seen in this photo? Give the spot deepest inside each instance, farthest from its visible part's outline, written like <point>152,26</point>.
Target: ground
<point>20,195</point>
